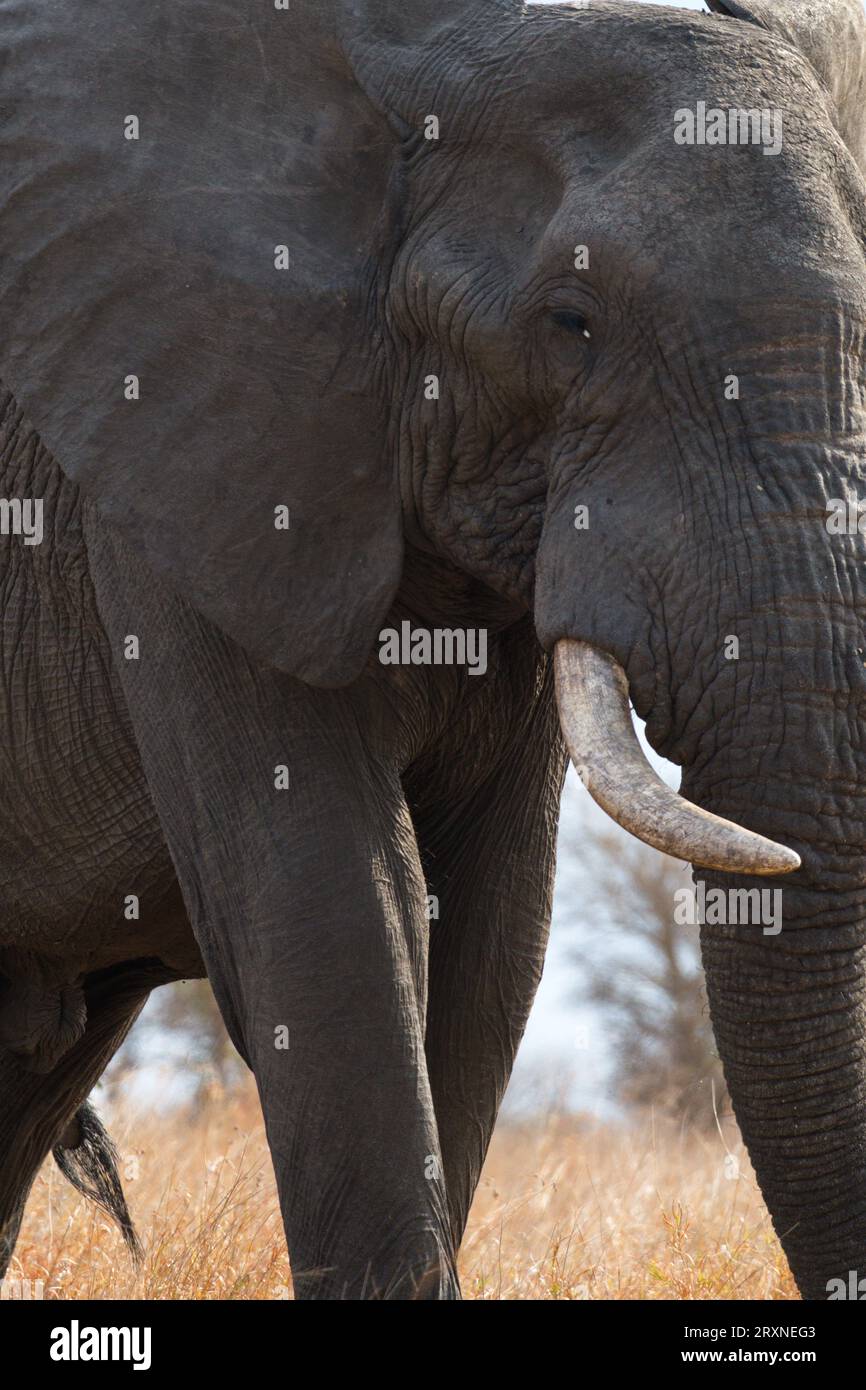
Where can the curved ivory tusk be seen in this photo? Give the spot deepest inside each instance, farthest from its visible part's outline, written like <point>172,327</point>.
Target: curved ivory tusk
<point>592,698</point>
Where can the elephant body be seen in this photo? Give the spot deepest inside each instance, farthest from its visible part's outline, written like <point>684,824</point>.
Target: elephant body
<point>327,319</point>
<point>83,833</point>
<point>81,823</point>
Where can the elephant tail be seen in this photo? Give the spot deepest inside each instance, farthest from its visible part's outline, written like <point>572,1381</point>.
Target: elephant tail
<point>87,1157</point>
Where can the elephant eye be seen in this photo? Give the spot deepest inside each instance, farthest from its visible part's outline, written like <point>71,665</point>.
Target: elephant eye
<point>571,322</point>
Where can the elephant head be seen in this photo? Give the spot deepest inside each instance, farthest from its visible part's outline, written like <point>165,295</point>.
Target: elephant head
<point>444,275</point>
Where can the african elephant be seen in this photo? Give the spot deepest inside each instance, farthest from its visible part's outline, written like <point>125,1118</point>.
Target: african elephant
<point>321,319</point>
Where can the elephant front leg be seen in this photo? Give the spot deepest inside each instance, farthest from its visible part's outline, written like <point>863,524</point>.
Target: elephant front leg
<point>331,1008</point>
<point>297,860</point>
<point>332,1025</point>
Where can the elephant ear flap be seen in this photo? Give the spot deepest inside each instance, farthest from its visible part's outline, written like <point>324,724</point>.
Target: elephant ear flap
<point>191,205</point>
<point>831,34</point>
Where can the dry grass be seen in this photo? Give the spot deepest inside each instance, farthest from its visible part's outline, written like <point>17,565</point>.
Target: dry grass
<point>565,1210</point>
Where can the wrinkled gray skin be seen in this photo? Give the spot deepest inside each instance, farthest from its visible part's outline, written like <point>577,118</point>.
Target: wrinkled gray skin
<point>412,257</point>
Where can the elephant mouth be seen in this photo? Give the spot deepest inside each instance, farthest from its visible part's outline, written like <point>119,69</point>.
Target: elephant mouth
<point>593,703</point>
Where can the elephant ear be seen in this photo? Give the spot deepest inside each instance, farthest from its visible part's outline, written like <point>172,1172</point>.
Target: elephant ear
<point>831,34</point>
<point>192,204</point>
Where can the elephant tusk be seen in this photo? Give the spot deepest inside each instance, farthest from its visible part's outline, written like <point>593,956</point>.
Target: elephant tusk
<point>593,703</point>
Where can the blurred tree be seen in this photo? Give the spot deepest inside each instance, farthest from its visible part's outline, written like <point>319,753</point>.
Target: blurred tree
<point>643,974</point>
<point>181,1032</point>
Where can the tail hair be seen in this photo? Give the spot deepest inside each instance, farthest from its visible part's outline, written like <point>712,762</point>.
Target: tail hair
<point>89,1161</point>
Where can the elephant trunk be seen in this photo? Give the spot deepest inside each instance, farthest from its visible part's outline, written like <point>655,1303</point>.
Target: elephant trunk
<point>787,991</point>
<point>788,1015</point>
<point>771,741</point>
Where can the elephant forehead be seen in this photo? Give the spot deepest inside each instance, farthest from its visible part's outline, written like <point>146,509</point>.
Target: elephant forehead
<point>581,107</point>
<point>616,68</point>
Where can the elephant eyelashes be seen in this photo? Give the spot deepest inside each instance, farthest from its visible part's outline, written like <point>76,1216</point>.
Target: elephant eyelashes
<point>571,322</point>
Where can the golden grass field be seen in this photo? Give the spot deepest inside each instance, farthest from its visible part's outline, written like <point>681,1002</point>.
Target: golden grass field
<point>567,1209</point>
